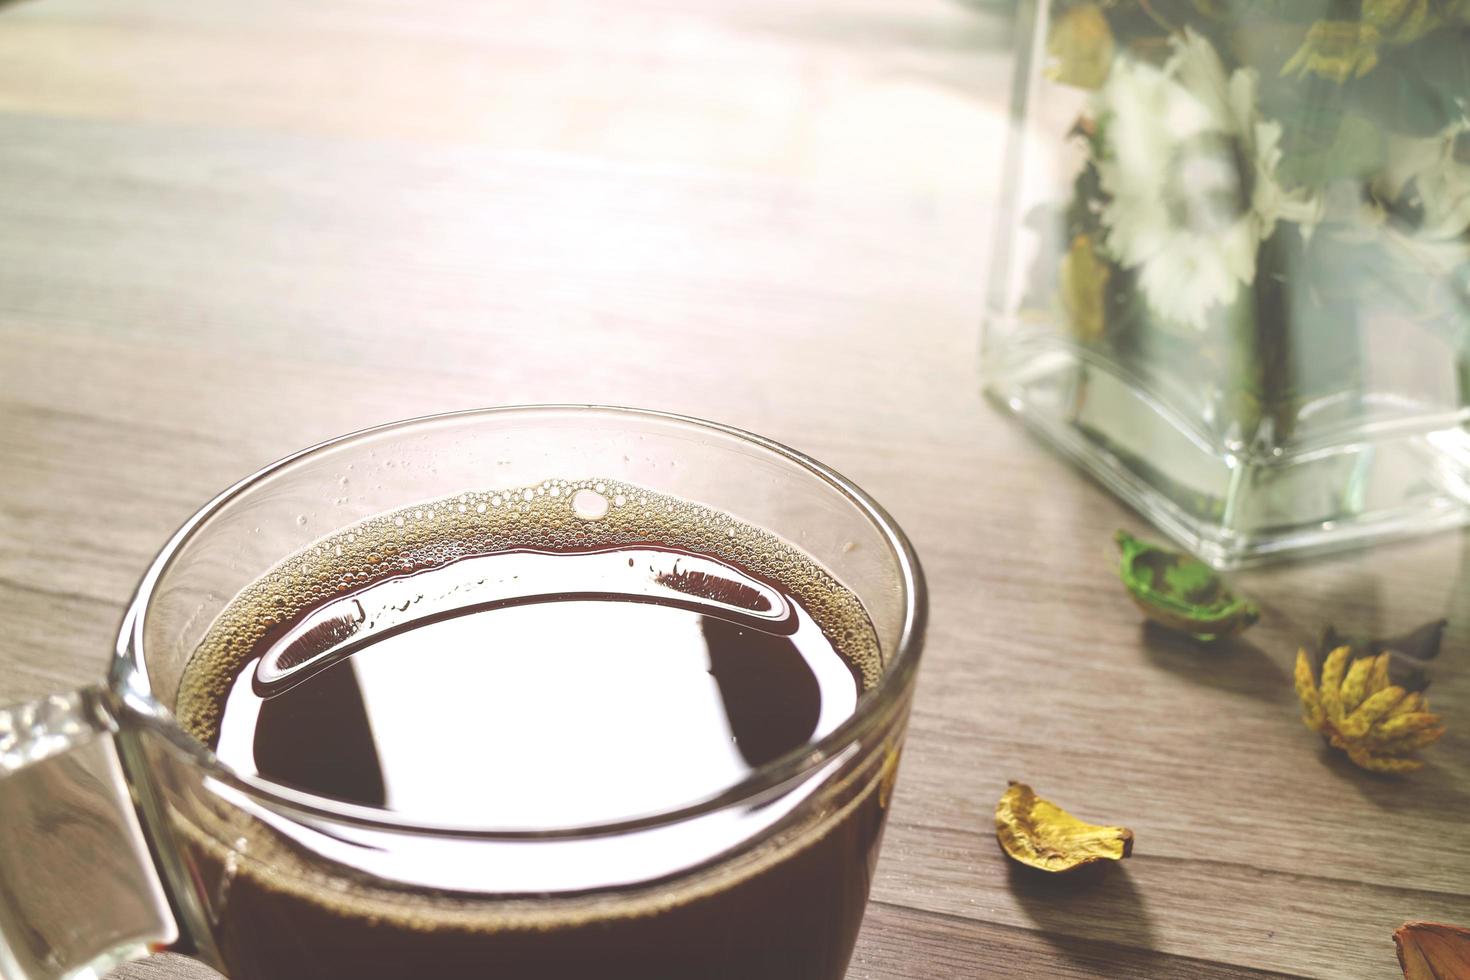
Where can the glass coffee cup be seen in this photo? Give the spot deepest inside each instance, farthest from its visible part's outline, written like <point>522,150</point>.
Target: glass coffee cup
<point>124,832</point>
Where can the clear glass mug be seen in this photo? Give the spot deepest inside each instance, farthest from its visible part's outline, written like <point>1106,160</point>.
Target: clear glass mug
<point>120,834</point>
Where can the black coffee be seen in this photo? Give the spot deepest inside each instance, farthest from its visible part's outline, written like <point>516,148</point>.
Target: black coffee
<point>568,655</point>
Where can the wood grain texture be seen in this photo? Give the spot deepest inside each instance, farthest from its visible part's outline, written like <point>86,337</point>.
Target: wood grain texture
<point>227,231</point>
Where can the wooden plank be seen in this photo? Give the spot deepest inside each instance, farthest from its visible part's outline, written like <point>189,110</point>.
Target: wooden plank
<point>899,943</point>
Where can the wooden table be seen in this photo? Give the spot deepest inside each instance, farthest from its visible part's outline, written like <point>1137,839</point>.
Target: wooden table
<point>230,230</point>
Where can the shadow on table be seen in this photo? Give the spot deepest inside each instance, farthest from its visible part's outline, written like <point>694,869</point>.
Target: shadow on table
<point>1434,788</point>
<point>1235,666</point>
<point>1099,901</point>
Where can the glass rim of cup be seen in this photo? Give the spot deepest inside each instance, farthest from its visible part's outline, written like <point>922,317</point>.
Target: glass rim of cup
<point>130,693</point>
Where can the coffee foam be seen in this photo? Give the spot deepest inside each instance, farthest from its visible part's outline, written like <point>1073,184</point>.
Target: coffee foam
<point>555,515</point>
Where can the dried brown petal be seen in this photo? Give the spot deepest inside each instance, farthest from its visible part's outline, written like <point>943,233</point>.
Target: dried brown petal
<point>1433,951</point>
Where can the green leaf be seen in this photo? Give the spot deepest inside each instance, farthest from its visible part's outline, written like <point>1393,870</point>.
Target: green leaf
<point>1191,580</point>
<point>1181,592</point>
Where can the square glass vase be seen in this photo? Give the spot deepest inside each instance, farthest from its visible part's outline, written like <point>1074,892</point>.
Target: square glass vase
<point>1231,269</point>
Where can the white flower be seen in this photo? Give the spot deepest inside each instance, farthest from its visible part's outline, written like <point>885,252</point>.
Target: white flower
<point>1190,170</point>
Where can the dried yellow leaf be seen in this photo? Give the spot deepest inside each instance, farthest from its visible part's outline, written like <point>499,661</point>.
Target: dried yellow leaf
<point>1401,725</point>
<point>1374,709</point>
<point>1378,679</point>
<point>1084,288</point>
<point>1364,759</point>
<point>1330,690</point>
<point>1412,703</point>
<point>1405,744</point>
<point>1080,47</point>
<point>1355,686</point>
<point>1306,691</point>
<point>1355,708</point>
<point>1040,834</point>
<point>1406,21</point>
<point>1336,49</point>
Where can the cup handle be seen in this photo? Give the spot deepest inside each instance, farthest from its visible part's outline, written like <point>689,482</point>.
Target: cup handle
<point>78,890</point>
